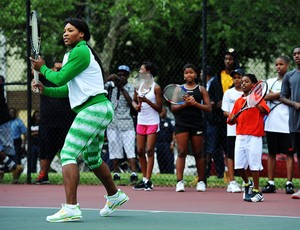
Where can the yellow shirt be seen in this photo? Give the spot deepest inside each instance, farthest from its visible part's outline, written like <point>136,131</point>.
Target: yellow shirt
<point>226,81</point>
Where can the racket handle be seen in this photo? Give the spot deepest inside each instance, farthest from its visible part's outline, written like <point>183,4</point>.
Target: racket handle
<point>36,78</point>
<point>238,114</point>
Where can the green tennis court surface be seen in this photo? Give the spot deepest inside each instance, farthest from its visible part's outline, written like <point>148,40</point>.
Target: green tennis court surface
<point>34,218</point>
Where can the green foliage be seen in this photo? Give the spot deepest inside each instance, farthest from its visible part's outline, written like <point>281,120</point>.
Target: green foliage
<point>167,32</point>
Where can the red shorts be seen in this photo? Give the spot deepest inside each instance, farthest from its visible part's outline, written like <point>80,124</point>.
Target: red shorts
<point>147,129</point>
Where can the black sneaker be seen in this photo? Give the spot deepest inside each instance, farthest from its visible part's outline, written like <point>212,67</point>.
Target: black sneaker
<point>116,176</point>
<point>133,178</point>
<point>289,188</point>
<point>269,188</point>
<point>256,197</point>
<point>148,186</point>
<point>42,179</point>
<point>139,186</point>
<point>248,191</point>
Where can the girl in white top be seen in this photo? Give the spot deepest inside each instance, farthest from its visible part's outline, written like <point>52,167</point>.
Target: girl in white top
<point>147,127</point>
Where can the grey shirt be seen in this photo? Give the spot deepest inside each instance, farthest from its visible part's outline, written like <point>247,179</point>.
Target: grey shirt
<point>122,120</point>
<point>291,90</point>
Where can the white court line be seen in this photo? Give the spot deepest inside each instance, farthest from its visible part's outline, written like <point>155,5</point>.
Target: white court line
<point>159,211</point>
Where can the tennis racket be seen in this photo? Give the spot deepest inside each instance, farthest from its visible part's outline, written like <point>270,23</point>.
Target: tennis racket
<point>175,94</point>
<point>257,93</point>
<point>142,84</point>
<point>35,40</point>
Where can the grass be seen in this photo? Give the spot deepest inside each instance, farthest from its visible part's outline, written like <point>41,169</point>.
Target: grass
<point>159,180</point>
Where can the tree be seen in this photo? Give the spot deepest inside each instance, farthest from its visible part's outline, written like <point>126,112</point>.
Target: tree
<point>167,32</point>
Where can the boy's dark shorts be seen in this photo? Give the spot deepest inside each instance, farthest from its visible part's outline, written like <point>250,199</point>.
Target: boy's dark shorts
<point>279,143</point>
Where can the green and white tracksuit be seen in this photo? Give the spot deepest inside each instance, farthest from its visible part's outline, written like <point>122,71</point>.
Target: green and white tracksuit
<point>81,79</point>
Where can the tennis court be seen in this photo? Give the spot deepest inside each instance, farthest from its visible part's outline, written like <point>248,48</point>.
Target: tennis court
<point>26,207</point>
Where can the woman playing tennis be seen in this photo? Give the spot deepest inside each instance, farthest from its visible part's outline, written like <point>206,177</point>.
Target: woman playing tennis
<point>81,78</point>
<point>248,144</point>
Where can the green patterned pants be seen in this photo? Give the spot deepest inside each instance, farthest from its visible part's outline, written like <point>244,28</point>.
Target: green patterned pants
<point>86,135</point>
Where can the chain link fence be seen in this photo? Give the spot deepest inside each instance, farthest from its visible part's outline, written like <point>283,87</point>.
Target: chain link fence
<point>170,50</point>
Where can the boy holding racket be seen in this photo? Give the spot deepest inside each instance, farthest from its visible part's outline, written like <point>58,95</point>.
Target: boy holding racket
<point>248,144</point>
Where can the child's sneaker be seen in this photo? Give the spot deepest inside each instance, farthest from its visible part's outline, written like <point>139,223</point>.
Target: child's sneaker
<point>42,179</point>
<point>296,195</point>
<point>113,202</point>
<point>139,186</point>
<point>289,188</point>
<point>133,178</point>
<point>116,176</point>
<point>248,191</point>
<point>66,214</point>
<point>233,187</point>
<point>201,187</point>
<point>148,186</point>
<point>269,188</point>
<point>256,197</point>
<point>180,186</point>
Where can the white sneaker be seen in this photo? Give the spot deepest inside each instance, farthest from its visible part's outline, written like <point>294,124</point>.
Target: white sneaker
<point>66,214</point>
<point>296,195</point>
<point>180,186</point>
<point>234,187</point>
<point>201,187</point>
<point>113,202</point>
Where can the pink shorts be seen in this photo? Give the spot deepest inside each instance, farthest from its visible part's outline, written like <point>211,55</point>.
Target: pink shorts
<point>147,129</point>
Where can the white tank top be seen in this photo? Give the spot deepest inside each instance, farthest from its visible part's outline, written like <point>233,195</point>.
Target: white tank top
<point>147,115</point>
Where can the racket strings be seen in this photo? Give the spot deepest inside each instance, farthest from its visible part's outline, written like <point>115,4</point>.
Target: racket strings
<point>257,94</point>
<point>174,94</point>
<point>35,39</point>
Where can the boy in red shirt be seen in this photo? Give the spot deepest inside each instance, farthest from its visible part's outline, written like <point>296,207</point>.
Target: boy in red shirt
<point>248,144</point>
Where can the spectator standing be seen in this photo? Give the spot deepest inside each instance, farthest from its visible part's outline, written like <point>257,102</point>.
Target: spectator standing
<point>165,143</point>
<point>121,131</point>
<point>189,126</point>
<point>290,95</point>
<point>277,129</point>
<point>56,118</point>
<point>230,63</point>
<point>35,140</point>
<point>19,134</point>
<point>248,144</point>
<point>147,126</point>
<point>229,98</point>
<point>7,151</point>
<point>214,142</point>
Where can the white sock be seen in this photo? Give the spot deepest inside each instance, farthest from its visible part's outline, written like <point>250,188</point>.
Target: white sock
<point>115,195</point>
<point>271,182</point>
<point>71,206</point>
<point>288,182</point>
<point>145,179</point>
